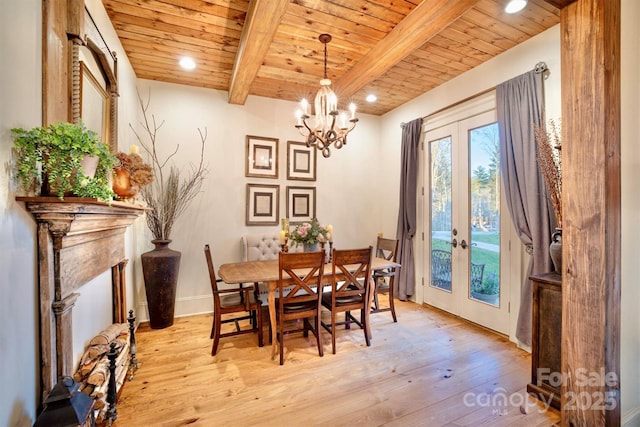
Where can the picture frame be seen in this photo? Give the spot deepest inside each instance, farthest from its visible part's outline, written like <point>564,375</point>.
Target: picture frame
<point>301,204</point>
<point>263,204</point>
<point>262,157</point>
<point>301,161</point>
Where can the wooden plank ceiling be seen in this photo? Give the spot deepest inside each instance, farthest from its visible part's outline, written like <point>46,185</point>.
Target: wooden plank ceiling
<point>395,49</point>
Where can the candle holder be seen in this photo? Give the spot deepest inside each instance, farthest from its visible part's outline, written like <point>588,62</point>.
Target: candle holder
<point>284,247</point>
<point>326,258</point>
<point>330,250</point>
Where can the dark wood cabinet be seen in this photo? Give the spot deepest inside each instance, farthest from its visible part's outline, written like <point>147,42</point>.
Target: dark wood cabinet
<point>546,338</point>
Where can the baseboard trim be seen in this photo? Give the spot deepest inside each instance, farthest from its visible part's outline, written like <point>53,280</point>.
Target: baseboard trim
<point>185,306</point>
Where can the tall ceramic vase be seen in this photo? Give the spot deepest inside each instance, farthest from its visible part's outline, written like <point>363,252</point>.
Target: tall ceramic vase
<point>555,250</point>
<point>160,267</point>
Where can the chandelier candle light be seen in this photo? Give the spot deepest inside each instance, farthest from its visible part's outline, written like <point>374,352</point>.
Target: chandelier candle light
<point>325,130</point>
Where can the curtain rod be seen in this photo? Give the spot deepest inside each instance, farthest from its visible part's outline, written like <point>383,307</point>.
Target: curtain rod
<point>540,67</point>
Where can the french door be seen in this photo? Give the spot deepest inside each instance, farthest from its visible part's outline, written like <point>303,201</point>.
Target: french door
<point>464,245</point>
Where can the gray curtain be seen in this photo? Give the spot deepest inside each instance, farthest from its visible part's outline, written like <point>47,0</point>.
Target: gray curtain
<point>406,282</point>
<point>520,107</point>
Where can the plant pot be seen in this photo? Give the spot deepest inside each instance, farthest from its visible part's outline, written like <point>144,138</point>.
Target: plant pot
<point>89,166</point>
<point>555,250</point>
<point>122,184</point>
<point>160,268</point>
<point>488,298</point>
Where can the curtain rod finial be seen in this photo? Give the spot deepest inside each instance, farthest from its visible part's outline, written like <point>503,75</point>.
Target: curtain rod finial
<point>540,67</point>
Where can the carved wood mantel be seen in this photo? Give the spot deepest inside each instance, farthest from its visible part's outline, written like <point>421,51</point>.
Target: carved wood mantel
<point>78,239</point>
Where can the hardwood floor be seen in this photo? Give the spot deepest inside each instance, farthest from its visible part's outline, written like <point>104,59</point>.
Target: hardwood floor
<point>429,369</point>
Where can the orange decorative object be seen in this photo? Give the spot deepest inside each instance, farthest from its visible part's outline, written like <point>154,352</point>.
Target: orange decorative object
<point>122,184</point>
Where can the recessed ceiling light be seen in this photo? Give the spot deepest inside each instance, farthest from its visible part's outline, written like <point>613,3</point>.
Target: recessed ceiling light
<point>187,63</point>
<point>371,98</point>
<point>515,6</point>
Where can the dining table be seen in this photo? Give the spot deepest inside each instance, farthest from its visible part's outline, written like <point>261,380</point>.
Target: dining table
<point>267,272</point>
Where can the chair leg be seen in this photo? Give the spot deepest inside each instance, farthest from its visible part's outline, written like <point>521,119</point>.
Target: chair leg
<point>318,336</point>
<point>391,299</point>
<point>281,341</point>
<point>333,331</point>
<point>365,326</point>
<point>376,307</point>
<point>305,327</point>
<point>258,314</point>
<point>213,325</point>
<point>217,324</point>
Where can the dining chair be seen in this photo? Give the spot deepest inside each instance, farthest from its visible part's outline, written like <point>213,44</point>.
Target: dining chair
<point>384,279</point>
<point>350,287</point>
<point>299,293</point>
<point>231,301</point>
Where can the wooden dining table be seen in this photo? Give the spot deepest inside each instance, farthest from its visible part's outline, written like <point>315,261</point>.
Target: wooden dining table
<point>268,273</point>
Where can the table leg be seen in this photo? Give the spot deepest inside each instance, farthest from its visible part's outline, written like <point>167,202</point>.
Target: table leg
<point>272,319</point>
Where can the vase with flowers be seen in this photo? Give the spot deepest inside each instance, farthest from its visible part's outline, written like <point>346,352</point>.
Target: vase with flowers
<point>548,153</point>
<point>309,234</point>
<point>130,174</point>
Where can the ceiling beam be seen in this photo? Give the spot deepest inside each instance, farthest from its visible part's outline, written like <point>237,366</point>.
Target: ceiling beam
<point>261,24</point>
<point>423,23</point>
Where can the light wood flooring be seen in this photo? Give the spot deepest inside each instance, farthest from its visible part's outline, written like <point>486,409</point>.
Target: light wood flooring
<point>429,369</point>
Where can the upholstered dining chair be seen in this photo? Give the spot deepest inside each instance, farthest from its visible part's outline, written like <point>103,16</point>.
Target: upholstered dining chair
<point>232,301</point>
<point>384,279</point>
<point>350,287</point>
<point>299,292</point>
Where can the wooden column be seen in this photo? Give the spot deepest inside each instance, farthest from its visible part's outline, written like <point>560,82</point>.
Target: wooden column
<point>590,54</point>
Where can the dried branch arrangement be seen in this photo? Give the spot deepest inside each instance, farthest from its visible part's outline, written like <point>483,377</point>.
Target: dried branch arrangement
<point>549,145</point>
<point>172,190</point>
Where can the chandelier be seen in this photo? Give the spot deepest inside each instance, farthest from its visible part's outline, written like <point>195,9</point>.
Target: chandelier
<point>330,126</point>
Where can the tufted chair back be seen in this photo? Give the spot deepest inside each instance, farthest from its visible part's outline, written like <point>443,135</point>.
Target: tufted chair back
<point>259,247</point>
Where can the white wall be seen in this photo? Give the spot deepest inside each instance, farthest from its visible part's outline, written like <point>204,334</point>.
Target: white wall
<point>346,185</point>
<point>20,92</point>
<point>630,158</point>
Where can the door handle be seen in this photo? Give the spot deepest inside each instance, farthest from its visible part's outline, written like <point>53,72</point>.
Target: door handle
<point>463,244</point>
<point>454,243</point>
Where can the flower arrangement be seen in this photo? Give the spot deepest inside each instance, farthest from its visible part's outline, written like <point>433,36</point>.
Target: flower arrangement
<point>549,145</point>
<point>310,233</point>
<point>140,173</point>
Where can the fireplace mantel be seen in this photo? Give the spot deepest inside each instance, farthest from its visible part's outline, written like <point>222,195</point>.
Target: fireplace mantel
<point>78,239</point>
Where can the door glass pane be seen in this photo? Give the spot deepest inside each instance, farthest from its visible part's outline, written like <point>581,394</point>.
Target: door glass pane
<point>484,158</point>
<point>440,195</point>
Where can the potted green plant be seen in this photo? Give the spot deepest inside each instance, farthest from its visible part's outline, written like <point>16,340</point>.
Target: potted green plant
<point>63,159</point>
<point>486,290</point>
